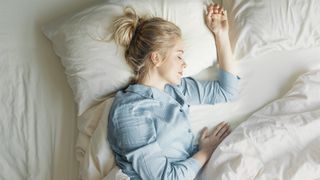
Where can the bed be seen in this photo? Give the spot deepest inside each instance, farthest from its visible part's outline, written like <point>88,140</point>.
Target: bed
<point>58,76</point>
<point>38,127</point>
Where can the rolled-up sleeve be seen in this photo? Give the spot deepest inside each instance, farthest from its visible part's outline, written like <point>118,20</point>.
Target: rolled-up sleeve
<point>139,146</point>
<point>224,89</point>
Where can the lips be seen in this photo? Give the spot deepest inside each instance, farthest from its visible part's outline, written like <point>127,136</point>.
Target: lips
<point>181,73</point>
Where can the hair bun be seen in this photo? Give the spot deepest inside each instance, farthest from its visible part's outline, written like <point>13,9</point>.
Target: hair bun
<point>125,27</point>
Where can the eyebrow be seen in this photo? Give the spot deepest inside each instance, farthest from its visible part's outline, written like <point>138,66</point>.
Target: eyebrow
<point>181,51</point>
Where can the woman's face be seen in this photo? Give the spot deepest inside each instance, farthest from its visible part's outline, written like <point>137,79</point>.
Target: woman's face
<point>171,69</point>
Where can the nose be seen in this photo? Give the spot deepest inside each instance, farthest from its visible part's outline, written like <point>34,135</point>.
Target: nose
<point>184,64</point>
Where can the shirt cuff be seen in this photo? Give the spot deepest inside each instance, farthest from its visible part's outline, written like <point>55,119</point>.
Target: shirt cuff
<point>228,79</point>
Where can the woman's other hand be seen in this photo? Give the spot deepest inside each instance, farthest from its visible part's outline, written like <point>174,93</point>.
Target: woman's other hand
<point>216,19</point>
<point>209,142</point>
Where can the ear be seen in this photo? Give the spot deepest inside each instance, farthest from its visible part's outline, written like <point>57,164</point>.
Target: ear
<point>155,59</point>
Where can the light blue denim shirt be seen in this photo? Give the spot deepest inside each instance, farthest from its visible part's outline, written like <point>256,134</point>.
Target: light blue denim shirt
<point>149,130</point>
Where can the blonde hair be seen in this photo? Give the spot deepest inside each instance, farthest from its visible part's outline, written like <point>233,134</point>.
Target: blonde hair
<point>140,36</point>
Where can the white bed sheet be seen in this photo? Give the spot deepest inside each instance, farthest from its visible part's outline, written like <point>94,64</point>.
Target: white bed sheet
<point>38,124</point>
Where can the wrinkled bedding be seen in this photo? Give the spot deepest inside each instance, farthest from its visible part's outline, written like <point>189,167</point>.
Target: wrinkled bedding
<point>280,141</point>
<point>39,126</point>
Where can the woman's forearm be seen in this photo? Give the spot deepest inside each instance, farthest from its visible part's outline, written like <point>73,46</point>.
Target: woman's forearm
<point>202,157</point>
<point>224,53</point>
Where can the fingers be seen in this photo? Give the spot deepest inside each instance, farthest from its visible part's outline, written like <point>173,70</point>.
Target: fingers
<point>225,134</point>
<point>219,126</point>
<point>225,15</point>
<point>209,16</point>
<point>215,8</point>
<point>204,133</point>
<point>221,130</point>
<point>215,14</point>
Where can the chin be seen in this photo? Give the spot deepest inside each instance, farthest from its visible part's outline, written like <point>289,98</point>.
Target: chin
<point>177,82</point>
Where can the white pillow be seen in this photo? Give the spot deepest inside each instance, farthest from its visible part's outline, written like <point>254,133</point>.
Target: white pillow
<point>257,27</point>
<point>96,68</point>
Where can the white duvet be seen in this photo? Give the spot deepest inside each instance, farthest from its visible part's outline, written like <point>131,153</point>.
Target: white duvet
<point>280,141</point>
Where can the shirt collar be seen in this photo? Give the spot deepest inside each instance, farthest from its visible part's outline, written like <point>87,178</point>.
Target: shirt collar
<point>140,89</point>
<point>150,92</point>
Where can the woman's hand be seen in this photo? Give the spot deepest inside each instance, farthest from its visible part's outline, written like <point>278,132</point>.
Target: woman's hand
<point>209,142</point>
<point>217,20</point>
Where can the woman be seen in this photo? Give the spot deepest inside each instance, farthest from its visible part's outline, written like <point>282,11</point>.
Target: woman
<point>148,128</point>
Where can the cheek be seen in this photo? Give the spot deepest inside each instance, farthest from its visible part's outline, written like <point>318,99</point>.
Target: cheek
<point>175,67</point>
